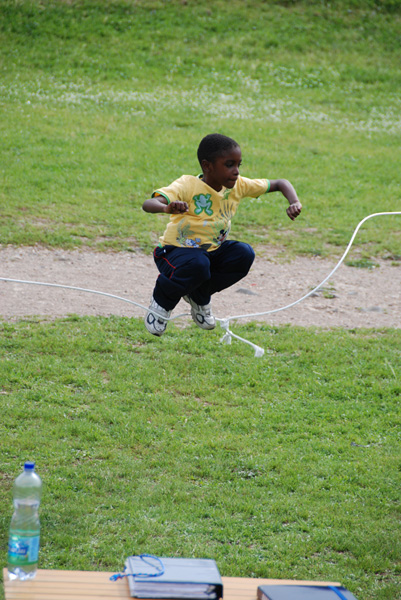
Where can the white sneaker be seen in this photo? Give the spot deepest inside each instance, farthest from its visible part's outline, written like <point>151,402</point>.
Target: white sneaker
<point>201,314</point>
<point>155,323</point>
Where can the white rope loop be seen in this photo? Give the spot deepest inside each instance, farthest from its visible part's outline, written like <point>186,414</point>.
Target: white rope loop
<point>225,323</point>
<point>275,310</point>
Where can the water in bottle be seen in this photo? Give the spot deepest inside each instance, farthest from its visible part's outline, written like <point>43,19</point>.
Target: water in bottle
<point>23,546</point>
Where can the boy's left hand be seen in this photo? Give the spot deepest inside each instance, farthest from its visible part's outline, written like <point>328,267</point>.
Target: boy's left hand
<point>294,210</point>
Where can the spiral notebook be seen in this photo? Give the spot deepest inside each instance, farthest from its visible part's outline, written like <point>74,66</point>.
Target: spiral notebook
<point>183,578</point>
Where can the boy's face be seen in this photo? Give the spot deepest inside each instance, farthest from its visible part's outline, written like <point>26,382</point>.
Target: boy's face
<point>224,170</point>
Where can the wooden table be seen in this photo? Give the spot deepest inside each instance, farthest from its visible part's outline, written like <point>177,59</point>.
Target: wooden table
<point>96,585</point>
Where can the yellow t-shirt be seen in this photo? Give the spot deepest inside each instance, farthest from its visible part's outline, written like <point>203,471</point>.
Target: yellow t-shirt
<point>208,220</point>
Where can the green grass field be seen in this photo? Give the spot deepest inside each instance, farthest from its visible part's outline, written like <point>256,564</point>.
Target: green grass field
<point>282,466</point>
<point>106,101</point>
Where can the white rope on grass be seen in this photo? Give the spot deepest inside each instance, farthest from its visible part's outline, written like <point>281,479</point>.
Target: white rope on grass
<point>275,310</point>
<point>227,337</point>
<point>79,289</point>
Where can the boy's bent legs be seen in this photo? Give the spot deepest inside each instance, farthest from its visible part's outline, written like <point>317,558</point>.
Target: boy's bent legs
<point>195,274</point>
<point>228,264</point>
<point>182,270</point>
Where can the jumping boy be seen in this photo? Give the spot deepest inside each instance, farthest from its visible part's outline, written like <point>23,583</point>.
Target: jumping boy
<point>194,257</point>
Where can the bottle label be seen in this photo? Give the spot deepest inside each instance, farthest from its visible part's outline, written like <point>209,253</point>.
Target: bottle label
<point>23,550</point>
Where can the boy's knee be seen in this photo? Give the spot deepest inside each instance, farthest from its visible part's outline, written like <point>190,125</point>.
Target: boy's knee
<point>250,252</point>
<point>247,255</point>
<point>199,267</point>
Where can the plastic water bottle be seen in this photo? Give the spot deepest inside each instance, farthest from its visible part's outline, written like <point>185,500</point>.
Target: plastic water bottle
<point>23,546</point>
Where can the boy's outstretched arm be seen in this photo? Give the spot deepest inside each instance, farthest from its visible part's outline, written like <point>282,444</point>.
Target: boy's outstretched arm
<point>158,204</point>
<point>288,190</point>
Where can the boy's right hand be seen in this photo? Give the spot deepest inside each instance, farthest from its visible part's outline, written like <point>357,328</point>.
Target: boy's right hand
<point>176,207</point>
<point>159,204</point>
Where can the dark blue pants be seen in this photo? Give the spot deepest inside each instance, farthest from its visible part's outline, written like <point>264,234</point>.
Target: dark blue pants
<point>198,273</point>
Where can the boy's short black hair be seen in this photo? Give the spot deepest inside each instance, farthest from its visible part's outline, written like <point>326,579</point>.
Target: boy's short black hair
<point>214,145</point>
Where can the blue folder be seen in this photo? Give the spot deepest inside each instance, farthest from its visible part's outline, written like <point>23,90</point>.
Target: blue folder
<point>303,592</point>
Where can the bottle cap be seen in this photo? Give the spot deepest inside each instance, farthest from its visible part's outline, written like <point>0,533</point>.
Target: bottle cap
<point>29,466</point>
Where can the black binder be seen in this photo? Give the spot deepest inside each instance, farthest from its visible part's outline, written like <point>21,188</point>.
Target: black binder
<point>183,578</point>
